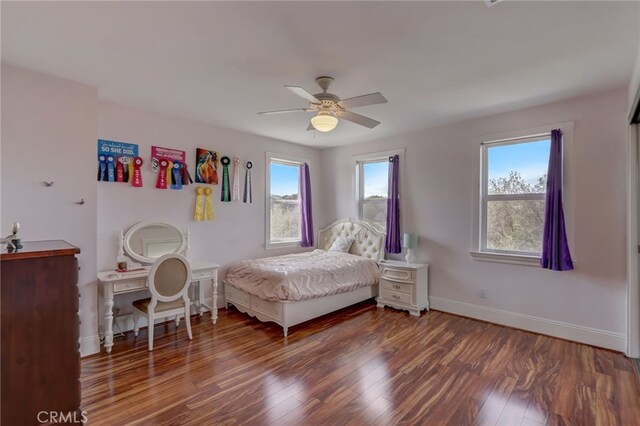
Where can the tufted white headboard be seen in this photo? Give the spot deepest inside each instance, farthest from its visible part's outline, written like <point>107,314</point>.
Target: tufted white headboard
<point>367,241</point>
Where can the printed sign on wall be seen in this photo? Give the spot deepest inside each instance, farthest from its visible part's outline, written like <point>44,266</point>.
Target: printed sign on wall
<point>170,164</point>
<point>158,153</point>
<point>119,162</point>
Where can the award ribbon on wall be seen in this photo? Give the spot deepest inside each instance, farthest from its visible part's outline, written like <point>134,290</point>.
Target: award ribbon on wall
<point>102,167</point>
<point>119,171</point>
<point>169,171</point>
<point>136,180</point>
<point>161,183</point>
<point>197,213</point>
<point>224,193</point>
<point>186,177</point>
<point>247,182</point>
<point>209,214</point>
<point>235,195</point>
<point>126,168</point>
<point>110,172</point>
<point>176,181</point>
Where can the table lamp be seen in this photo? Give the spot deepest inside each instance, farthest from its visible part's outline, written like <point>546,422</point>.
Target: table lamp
<point>410,241</point>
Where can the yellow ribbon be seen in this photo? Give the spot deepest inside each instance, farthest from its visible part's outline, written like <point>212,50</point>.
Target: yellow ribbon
<point>209,213</point>
<point>130,165</point>
<point>197,215</point>
<point>169,172</point>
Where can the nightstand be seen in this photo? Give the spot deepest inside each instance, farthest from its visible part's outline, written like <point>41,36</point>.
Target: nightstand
<point>404,286</point>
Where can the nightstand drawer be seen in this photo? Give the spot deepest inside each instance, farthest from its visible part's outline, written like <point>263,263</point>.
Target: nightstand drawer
<point>397,274</point>
<point>394,296</point>
<point>398,287</point>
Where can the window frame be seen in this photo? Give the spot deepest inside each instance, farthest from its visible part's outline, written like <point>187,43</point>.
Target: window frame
<point>289,161</point>
<point>479,250</point>
<point>358,192</point>
<point>485,197</point>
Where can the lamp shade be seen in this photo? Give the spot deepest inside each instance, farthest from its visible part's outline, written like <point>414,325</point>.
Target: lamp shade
<point>410,241</point>
<point>324,122</point>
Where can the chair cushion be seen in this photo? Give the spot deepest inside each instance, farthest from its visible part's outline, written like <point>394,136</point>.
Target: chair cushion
<point>143,304</point>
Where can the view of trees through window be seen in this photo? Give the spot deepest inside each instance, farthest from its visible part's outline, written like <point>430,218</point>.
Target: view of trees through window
<point>374,183</point>
<point>516,186</point>
<point>284,202</point>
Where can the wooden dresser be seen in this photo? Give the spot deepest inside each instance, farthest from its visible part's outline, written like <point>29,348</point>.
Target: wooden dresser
<point>40,330</point>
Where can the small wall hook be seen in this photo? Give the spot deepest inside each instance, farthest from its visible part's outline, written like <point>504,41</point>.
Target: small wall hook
<point>47,184</point>
<point>81,202</point>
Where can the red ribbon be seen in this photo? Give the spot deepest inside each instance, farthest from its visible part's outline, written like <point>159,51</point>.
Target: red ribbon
<point>162,175</point>
<point>119,171</point>
<point>137,174</point>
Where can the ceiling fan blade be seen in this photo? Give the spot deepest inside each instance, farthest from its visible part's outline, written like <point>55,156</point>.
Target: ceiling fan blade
<point>310,127</point>
<point>358,119</point>
<point>284,110</point>
<point>303,94</point>
<point>364,100</point>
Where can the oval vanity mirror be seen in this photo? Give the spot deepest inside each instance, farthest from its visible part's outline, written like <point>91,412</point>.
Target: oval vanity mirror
<point>147,241</point>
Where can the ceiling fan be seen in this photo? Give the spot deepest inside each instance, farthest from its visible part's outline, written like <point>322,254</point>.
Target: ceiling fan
<point>330,107</point>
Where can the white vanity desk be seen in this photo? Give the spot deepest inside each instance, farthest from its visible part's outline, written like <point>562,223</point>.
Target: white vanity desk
<point>114,283</point>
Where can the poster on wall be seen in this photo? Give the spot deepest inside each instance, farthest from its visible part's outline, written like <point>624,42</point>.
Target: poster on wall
<point>159,153</point>
<point>170,164</point>
<point>206,166</point>
<point>119,162</point>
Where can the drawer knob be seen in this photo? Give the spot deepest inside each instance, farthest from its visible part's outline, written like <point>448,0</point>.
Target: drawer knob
<point>395,296</point>
<point>396,286</point>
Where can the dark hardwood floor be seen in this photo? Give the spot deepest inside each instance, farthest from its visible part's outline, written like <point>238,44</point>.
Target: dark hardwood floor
<point>362,365</point>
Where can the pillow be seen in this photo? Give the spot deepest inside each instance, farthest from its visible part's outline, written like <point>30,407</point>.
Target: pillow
<point>342,244</point>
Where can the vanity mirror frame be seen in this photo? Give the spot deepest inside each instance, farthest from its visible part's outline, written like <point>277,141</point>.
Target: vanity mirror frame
<point>125,241</point>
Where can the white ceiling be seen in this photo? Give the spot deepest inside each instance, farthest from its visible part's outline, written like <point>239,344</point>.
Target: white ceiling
<point>436,62</point>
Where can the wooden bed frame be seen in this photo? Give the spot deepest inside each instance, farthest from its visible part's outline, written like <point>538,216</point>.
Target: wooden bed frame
<point>368,243</point>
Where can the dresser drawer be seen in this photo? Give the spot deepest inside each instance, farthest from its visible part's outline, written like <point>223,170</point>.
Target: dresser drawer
<point>129,285</point>
<point>394,296</point>
<point>397,274</point>
<point>397,287</point>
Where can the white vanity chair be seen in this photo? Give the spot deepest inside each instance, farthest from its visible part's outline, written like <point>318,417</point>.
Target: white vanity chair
<point>169,281</point>
<point>146,242</point>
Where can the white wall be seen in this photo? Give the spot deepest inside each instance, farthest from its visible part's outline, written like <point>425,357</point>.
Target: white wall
<point>441,178</point>
<point>49,129</point>
<point>238,231</point>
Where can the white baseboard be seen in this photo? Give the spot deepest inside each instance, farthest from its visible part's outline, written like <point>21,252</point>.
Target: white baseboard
<point>89,345</point>
<point>563,330</point>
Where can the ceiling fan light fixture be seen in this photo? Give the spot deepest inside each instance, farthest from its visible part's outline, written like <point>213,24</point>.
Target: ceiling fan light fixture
<point>324,122</point>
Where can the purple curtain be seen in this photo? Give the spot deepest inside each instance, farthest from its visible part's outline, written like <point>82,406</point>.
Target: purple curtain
<point>555,249</point>
<point>392,241</point>
<point>306,218</point>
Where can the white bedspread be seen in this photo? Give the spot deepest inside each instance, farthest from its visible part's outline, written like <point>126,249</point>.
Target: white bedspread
<point>303,276</point>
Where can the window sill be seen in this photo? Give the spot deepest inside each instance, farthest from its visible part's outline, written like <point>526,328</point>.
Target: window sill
<point>514,259</point>
<point>284,244</point>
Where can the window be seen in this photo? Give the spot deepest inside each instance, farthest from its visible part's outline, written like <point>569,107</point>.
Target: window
<point>513,186</point>
<point>283,201</point>
<point>373,182</point>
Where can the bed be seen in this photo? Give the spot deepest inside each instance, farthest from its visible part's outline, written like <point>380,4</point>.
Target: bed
<point>319,282</point>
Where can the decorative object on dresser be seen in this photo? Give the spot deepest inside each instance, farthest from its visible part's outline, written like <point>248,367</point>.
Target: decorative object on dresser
<point>367,243</point>
<point>146,242</point>
<point>40,332</point>
<point>410,241</point>
<point>168,281</point>
<point>404,286</point>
